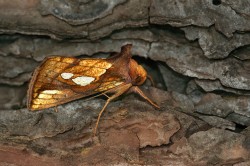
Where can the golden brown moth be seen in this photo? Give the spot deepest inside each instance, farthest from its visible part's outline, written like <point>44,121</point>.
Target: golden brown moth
<point>59,80</point>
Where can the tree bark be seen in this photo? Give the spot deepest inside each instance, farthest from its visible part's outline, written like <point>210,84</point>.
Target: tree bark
<point>196,51</point>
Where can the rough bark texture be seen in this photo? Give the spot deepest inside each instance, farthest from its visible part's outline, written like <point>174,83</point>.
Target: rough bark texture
<point>196,51</point>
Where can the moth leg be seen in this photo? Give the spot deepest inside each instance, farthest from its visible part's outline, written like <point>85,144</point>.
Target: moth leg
<point>151,80</point>
<point>55,108</point>
<point>105,95</point>
<point>117,92</point>
<point>139,92</point>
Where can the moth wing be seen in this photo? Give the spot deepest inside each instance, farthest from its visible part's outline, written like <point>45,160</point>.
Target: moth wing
<point>62,79</point>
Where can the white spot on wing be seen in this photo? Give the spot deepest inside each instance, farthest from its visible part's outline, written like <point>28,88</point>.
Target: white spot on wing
<point>83,80</point>
<point>67,75</point>
<point>118,83</point>
<point>44,96</point>
<point>51,92</point>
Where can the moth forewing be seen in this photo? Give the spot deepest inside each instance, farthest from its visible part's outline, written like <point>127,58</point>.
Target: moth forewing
<point>59,80</point>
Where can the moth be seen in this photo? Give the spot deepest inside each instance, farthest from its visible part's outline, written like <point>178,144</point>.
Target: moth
<point>59,80</point>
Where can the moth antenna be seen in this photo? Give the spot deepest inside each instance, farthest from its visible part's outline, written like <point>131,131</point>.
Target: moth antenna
<point>89,98</point>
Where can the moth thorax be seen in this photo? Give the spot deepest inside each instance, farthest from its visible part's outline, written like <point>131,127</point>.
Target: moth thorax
<point>137,73</point>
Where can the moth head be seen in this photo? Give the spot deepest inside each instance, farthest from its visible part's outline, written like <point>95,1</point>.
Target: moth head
<point>137,73</point>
